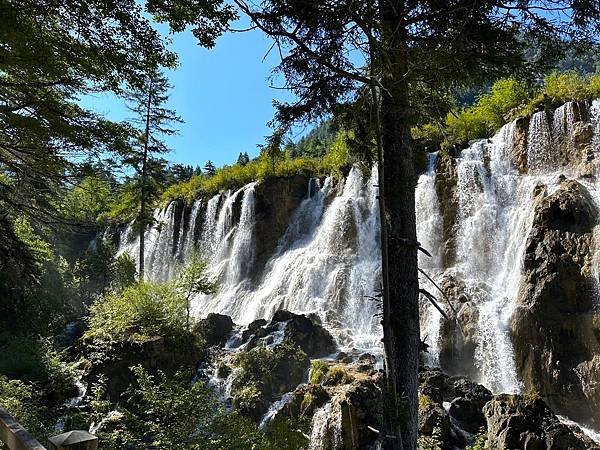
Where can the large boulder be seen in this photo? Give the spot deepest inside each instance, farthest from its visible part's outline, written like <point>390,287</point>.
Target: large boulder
<point>450,409</point>
<point>517,422</point>
<point>215,329</point>
<point>305,333</point>
<point>263,375</point>
<point>555,326</point>
<point>343,414</point>
<point>157,353</point>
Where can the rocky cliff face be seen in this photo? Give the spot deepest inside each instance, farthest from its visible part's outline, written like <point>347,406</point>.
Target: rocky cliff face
<point>555,326</point>
<point>517,261</point>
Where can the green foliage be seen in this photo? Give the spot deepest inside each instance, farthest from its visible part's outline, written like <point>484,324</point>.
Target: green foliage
<point>337,375</point>
<point>506,100</point>
<point>39,249</point>
<point>318,370</point>
<point>21,401</point>
<point>265,166</point>
<point>480,441</point>
<point>429,443</point>
<point>167,412</point>
<point>566,86</point>
<point>248,397</point>
<point>33,359</point>
<point>99,270</point>
<point>193,279</point>
<point>489,113</point>
<point>260,364</point>
<point>140,312</point>
<point>89,201</point>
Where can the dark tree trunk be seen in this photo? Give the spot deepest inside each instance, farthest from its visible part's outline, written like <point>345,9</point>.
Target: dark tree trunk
<point>399,205</point>
<point>143,194</point>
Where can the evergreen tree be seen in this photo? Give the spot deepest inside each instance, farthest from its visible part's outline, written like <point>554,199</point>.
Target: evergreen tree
<point>54,53</point>
<point>209,168</point>
<point>154,121</point>
<point>243,159</point>
<point>416,52</point>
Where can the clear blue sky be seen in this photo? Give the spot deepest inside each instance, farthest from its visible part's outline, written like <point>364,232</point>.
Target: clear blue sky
<point>222,94</point>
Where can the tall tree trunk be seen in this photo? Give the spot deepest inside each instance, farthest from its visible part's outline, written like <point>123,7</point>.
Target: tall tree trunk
<point>143,192</point>
<point>399,216</point>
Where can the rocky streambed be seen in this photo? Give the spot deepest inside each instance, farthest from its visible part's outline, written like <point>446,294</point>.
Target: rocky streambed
<point>287,372</point>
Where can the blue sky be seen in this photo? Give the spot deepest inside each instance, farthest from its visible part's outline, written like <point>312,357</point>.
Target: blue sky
<point>222,94</point>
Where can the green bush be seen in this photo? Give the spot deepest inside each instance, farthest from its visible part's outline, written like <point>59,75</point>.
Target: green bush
<point>337,375</point>
<point>33,359</point>
<point>265,166</point>
<point>168,412</point>
<point>506,100</point>
<point>21,401</point>
<point>140,312</point>
<point>566,86</point>
<point>89,201</point>
<point>318,370</point>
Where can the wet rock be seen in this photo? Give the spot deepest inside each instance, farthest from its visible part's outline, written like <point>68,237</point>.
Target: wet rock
<point>515,422</point>
<point>215,329</point>
<point>446,181</point>
<point>519,150</point>
<point>433,421</point>
<point>301,331</point>
<point>265,375</point>
<point>276,199</point>
<point>458,339</point>
<point>450,408</point>
<point>252,328</point>
<point>157,353</point>
<point>555,340</point>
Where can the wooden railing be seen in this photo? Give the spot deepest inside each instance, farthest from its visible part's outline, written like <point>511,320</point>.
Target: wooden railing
<point>14,436</point>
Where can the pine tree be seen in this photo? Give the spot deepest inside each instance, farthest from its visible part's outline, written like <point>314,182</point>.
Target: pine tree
<point>154,121</point>
<point>243,159</point>
<point>209,168</point>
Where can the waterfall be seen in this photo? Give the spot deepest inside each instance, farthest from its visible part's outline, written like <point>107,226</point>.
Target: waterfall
<point>495,217</point>
<point>187,245</point>
<point>160,241</point>
<point>326,263</point>
<point>562,124</point>
<point>429,233</point>
<point>319,436</point>
<point>541,153</point>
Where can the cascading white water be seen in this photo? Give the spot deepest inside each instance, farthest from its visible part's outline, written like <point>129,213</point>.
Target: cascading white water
<point>541,153</point>
<point>186,246</point>
<point>328,260</point>
<point>159,257</point>
<point>562,124</point>
<point>495,217</point>
<point>327,263</point>
<point>429,234</point>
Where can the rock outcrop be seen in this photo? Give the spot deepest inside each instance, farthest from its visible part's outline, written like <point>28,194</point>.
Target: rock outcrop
<point>215,329</point>
<point>445,184</point>
<point>157,353</point>
<point>276,200</point>
<point>458,338</point>
<point>556,332</point>
<point>343,410</point>
<point>456,413</point>
<point>516,422</point>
